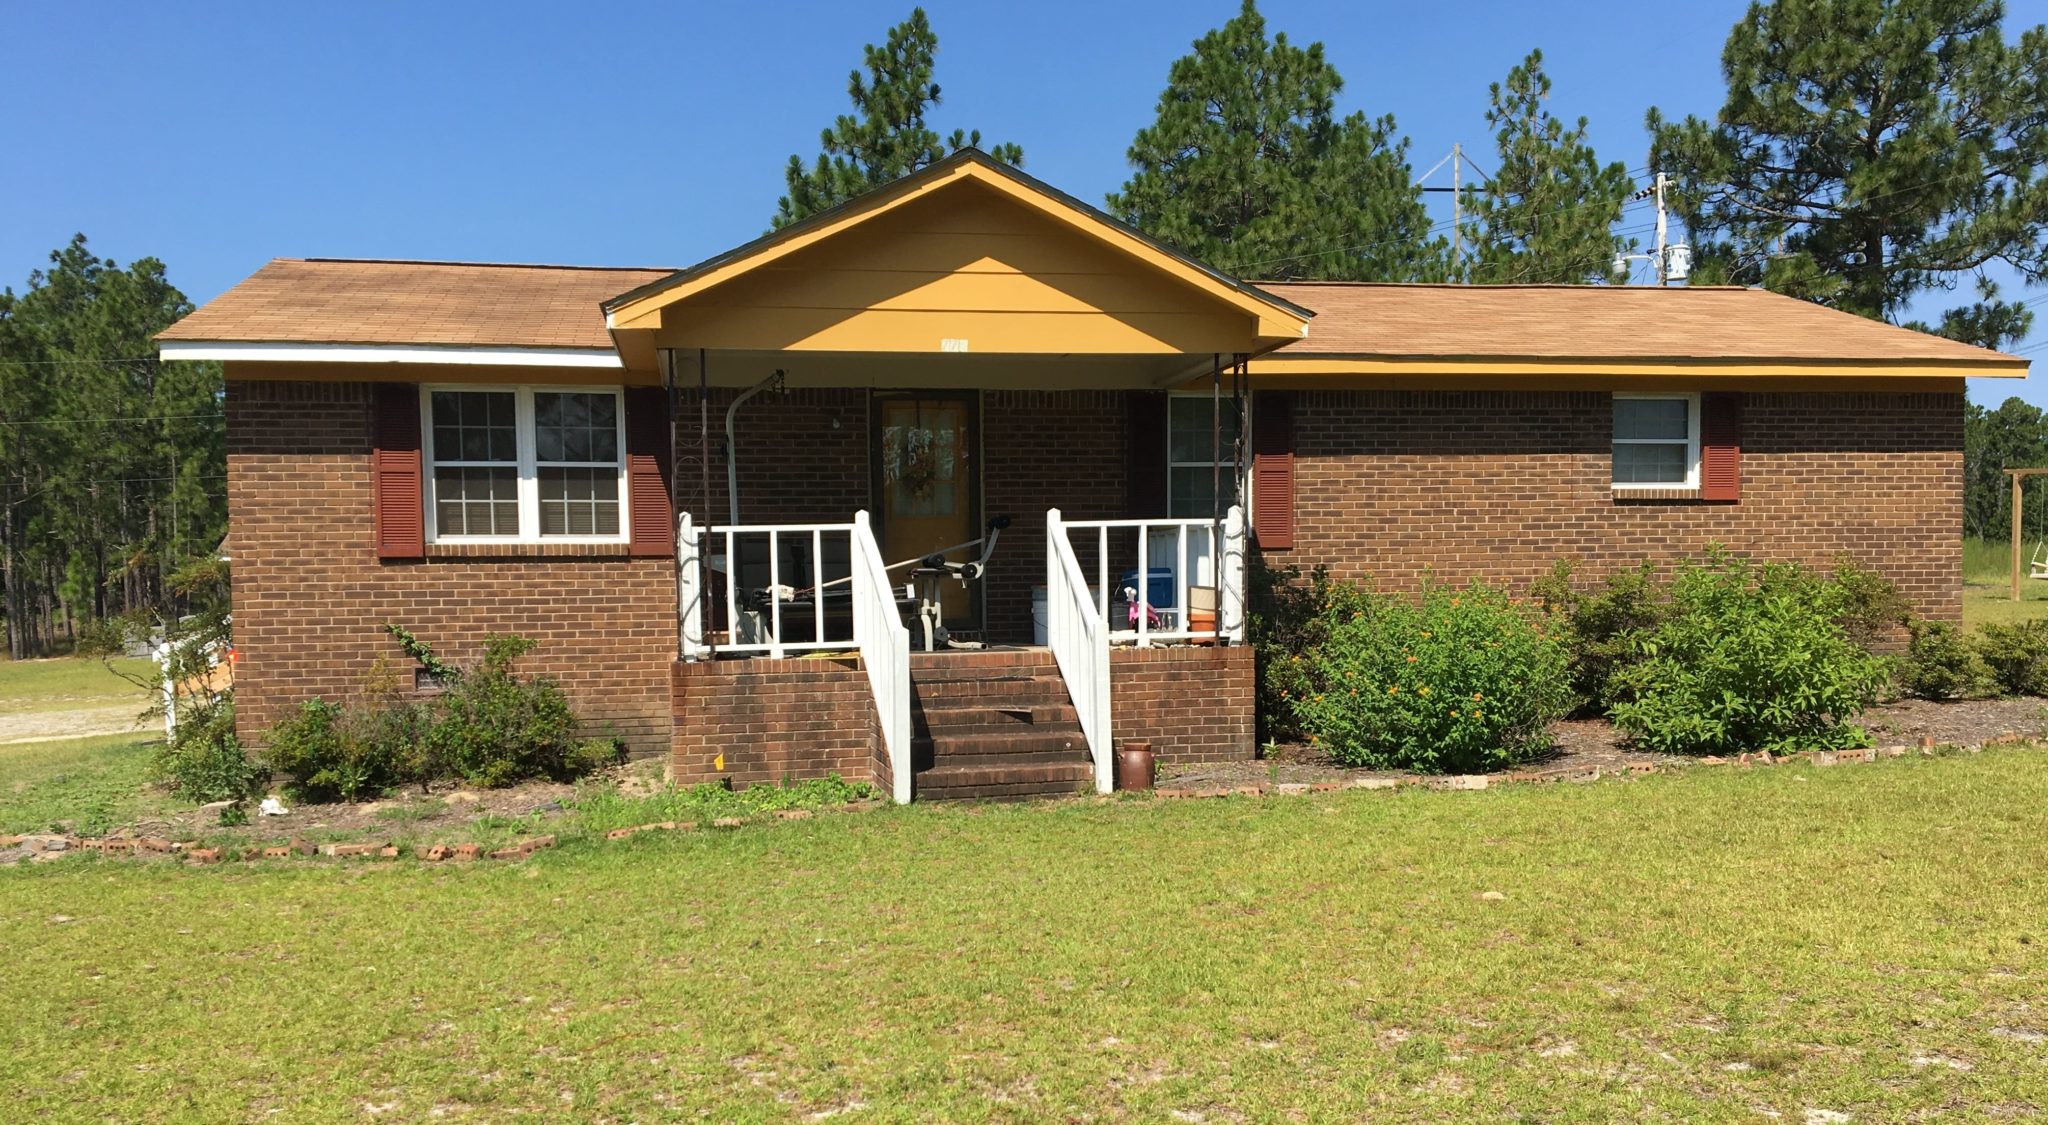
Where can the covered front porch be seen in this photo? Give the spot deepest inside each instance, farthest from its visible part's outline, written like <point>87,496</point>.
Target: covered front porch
<point>964,415</point>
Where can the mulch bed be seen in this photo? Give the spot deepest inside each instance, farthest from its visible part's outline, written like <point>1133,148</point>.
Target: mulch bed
<point>1580,747</point>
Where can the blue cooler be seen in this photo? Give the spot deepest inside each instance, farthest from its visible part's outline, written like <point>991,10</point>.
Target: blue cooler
<point>1159,590</point>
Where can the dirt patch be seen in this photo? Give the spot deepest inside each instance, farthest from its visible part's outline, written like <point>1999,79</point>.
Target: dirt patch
<point>83,722</point>
<point>443,808</point>
<point>1580,747</point>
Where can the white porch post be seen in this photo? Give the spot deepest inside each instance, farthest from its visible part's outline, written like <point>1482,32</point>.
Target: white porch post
<point>689,588</point>
<point>1231,613</point>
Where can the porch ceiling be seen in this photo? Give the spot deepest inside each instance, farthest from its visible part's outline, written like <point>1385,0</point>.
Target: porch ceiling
<point>965,257</point>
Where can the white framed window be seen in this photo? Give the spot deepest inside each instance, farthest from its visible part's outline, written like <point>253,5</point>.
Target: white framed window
<point>524,464</point>
<point>1192,453</point>
<point>1656,441</point>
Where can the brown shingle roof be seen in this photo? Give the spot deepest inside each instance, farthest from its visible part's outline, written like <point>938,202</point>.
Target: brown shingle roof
<point>1599,321</point>
<point>328,301</point>
<point>324,300</point>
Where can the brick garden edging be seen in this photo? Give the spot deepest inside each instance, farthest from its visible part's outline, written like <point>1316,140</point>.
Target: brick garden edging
<point>49,846</point>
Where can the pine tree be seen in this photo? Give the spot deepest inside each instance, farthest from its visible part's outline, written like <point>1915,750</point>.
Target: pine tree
<point>886,138</point>
<point>1870,151</point>
<point>1548,213</point>
<point>111,462</point>
<point>1249,169</point>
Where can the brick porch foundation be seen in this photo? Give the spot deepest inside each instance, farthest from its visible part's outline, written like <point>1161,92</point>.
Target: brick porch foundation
<point>798,719</point>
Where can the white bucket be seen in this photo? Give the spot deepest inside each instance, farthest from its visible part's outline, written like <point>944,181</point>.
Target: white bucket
<point>1038,616</point>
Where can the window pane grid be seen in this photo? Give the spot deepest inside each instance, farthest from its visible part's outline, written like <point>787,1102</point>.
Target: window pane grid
<point>1198,443</point>
<point>519,464</point>
<point>1653,441</point>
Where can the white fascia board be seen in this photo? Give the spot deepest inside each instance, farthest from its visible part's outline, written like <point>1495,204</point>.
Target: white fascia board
<point>388,353</point>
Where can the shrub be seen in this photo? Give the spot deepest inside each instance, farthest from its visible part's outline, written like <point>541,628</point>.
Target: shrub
<point>1287,622</point>
<point>1870,609</point>
<point>1940,663</point>
<point>334,752</point>
<point>203,760</point>
<point>2017,656</point>
<point>493,728</point>
<point>1457,681</point>
<point>489,727</point>
<point>1746,658</point>
<point>1599,627</point>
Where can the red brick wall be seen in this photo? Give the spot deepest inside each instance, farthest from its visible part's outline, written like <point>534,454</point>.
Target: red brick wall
<point>1044,449</point>
<point>311,598</point>
<point>803,456</point>
<point>1501,484</point>
<point>1194,704</point>
<point>774,719</point>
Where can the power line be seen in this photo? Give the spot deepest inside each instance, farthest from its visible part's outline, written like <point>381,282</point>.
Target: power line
<point>1426,232</point>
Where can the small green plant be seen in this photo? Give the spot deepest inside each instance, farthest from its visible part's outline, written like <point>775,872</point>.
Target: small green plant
<point>203,761</point>
<point>2017,655</point>
<point>1747,658</point>
<point>493,728</point>
<point>1456,680</point>
<point>422,653</point>
<point>1940,664</point>
<point>235,815</point>
<point>1599,626</point>
<point>330,753</point>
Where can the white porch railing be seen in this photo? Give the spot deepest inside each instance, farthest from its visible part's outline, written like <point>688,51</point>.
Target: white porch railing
<point>876,631</point>
<point>1191,566</point>
<point>1080,645</point>
<point>884,652</point>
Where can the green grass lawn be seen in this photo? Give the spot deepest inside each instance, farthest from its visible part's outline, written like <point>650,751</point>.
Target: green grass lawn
<point>67,683</point>
<point>95,783</point>
<point>1698,946</point>
<point>1987,584</point>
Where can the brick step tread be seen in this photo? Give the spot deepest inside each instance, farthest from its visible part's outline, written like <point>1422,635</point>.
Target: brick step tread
<point>992,716</point>
<point>945,675</point>
<point>1038,773</point>
<point>925,763</point>
<point>1005,793</point>
<point>963,731</point>
<point>1026,741</point>
<point>1022,693</point>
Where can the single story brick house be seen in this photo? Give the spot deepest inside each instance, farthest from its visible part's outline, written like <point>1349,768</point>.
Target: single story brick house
<point>711,494</point>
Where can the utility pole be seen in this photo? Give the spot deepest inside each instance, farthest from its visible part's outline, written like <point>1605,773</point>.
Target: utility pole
<point>1457,208</point>
<point>1660,229</point>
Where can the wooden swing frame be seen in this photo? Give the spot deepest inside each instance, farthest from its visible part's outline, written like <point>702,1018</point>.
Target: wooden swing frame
<point>2018,476</point>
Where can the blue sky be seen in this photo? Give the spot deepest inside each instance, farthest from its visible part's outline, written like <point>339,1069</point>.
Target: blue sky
<point>216,136</point>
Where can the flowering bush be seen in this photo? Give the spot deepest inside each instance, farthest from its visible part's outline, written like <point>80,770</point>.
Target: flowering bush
<point>1747,658</point>
<point>1455,681</point>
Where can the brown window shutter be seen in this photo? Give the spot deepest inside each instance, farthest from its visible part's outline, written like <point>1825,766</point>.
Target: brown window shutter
<point>395,467</point>
<point>1145,455</point>
<point>1273,469</point>
<point>648,510</point>
<point>1721,446</point>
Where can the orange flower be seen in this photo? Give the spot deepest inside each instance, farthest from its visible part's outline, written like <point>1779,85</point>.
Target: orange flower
<point>1475,697</point>
<point>1411,660</point>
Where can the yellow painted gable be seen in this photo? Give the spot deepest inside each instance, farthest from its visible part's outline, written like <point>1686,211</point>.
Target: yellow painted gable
<point>971,262</point>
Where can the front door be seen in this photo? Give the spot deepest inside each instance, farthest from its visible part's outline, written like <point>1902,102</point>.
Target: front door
<point>928,486</point>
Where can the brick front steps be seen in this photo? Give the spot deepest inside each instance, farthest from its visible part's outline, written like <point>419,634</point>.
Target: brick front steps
<point>994,725</point>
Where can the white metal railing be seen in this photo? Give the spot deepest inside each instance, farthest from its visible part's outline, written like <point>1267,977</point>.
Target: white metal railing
<point>884,651</point>
<point>1079,638</point>
<point>796,591</point>
<point>1193,569</point>
<point>876,631</point>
